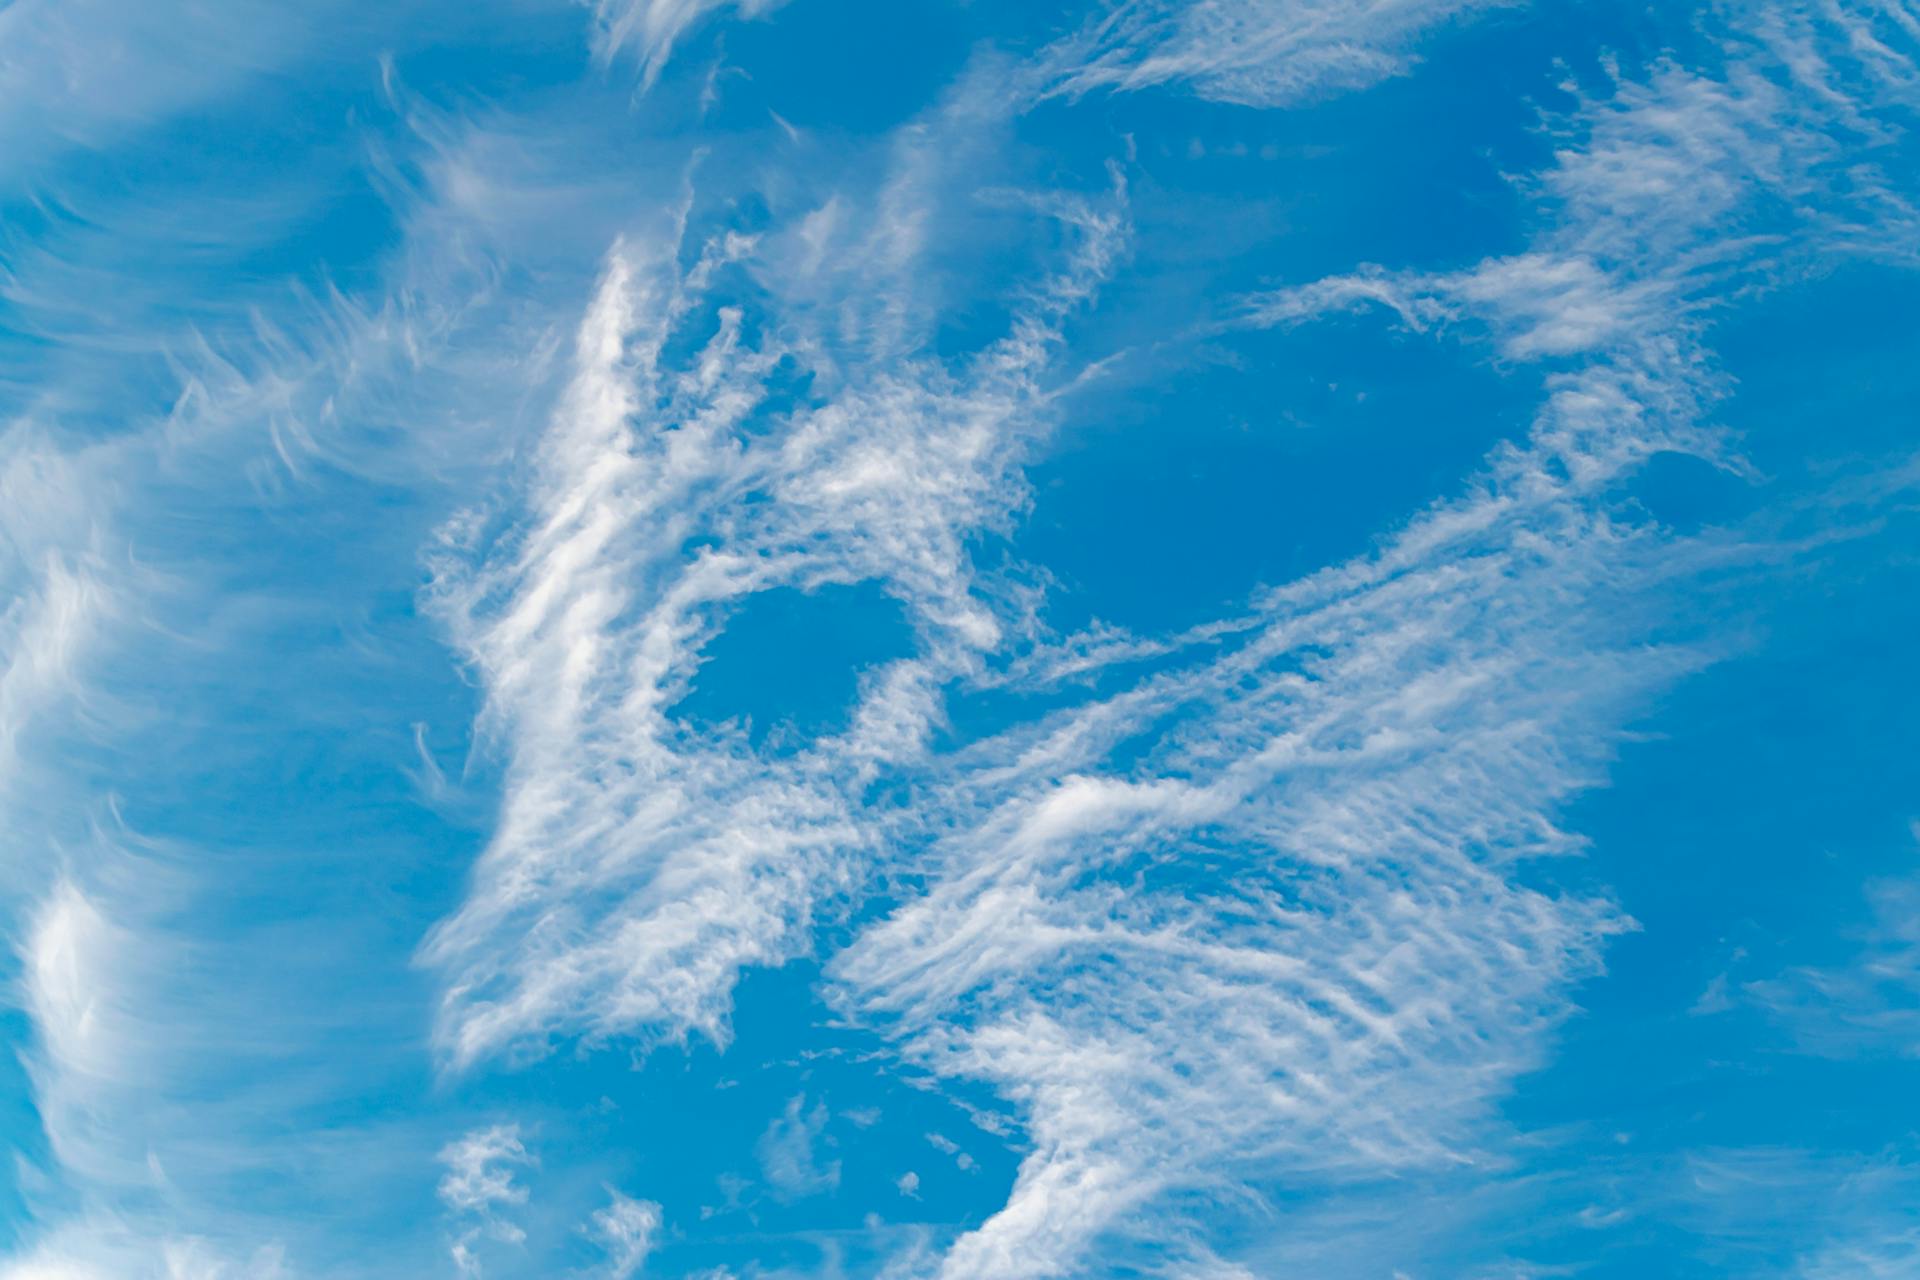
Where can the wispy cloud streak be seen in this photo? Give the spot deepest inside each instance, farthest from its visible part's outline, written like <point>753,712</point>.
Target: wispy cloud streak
<point>1252,52</point>
<point>1295,940</point>
<point>637,867</point>
<point>651,28</point>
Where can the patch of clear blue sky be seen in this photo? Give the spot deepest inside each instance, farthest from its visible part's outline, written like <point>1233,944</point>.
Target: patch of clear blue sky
<point>274,747</point>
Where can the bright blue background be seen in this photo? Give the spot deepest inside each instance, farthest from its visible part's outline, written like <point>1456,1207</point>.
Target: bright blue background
<point>237,764</point>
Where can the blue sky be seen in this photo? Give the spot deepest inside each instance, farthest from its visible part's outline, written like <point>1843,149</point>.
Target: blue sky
<point>740,639</point>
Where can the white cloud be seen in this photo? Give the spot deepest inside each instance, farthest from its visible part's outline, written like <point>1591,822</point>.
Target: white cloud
<point>650,28</point>
<point>1291,935</point>
<point>1249,51</point>
<point>1665,193</point>
<point>1888,1249</point>
<point>106,1043</point>
<point>72,959</point>
<point>480,1170</point>
<point>637,868</point>
<point>1869,1005</point>
<point>44,632</point>
<point>1856,1213</point>
<point>57,599</point>
<point>626,1229</point>
<point>104,1248</point>
<point>85,73</point>
<point>94,978</point>
<point>788,1154</point>
<point>480,1188</point>
<point>1360,973</point>
<point>177,1050</point>
<point>1353,768</point>
<point>942,1143</point>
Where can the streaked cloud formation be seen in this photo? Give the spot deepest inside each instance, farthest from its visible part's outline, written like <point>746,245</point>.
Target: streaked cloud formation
<point>651,27</point>
<point>1251,52</point>
<point>578,695</point>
